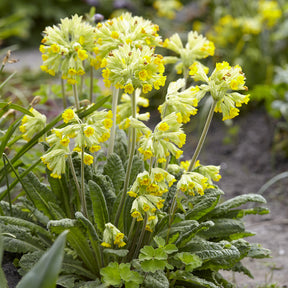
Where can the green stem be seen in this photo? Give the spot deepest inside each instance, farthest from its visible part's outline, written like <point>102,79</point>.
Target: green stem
<point>203,136</point>
<point>83,197</point>
<point>63,94</point>
<point>75,93</point>
<point>140,240</point>
<point>171,215</point>
<point>7,184</point>
<point>113,128</point>
<point>74,175</point>
<point>129,165</point>
<point>185,74</point>
<point>91,85</point>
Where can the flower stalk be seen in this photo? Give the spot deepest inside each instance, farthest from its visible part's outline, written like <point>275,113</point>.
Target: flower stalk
<point>113,128</point>
<point>132,144</point>
<point>203,136</point>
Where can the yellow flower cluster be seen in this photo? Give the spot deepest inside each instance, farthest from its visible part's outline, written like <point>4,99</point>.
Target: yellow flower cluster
<point>125,29</point>
<point>270,12</point>
<point>65,47</point>
<point>192,182</point>
<point>183,103</point>
<point>197,47</point>
<point>32,125</point>
<point>130,68</point>
<point>211,172</point>
<point>221,84</point>
<point>85,135</point>
<point>167,8</point>
<point>167,135</point>
<point>112,236</point>
<point>148,189</point>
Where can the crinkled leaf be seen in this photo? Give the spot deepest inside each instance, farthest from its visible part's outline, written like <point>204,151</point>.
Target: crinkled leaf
<point>100,210</point>
<point>237,201</point>
<point>115,170</point>
<point>257,251</point>
<point>204,204</point>
<point>156,280</point>
<point>189,280</point>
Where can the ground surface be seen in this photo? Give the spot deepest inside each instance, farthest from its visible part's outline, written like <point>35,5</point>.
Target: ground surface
<point>247,164</point>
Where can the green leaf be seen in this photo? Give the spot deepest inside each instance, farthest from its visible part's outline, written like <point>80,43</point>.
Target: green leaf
<point>239,267</point>
<point>19,108</point>
<point>159,241</point>
<point>44,274</point>
<point>33,228</point>
<point>137,167</point>
<point>115,170</point>
<point>100,211</point>
<point>153,259</point>
<point>204,204</point>
<point>187,236</point>
<point>187,279</point>
<point>114,252</point>
<point>39,194</point>
<point>237,201</point>
<point>111,275</point>
<point>191,261</point>
<point>258,252</point>
<point>3,280</point>
<point>170,248</point>
<point>115,274</point>
<point>108,190</point>
<point>120,146</point>
<point>8,136</point>
<point>77,239</point>
<point>156,280</point>
<point>223,228</point>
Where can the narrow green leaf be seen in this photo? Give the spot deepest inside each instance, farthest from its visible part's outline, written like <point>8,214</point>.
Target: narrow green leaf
<point>6,80</point>
<point>44,274</point>
<point>100,211</point>
<point>8,136</point>
<point>15,107</point>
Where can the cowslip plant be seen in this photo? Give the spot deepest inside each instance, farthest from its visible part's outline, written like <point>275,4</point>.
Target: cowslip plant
<point>137,215</point>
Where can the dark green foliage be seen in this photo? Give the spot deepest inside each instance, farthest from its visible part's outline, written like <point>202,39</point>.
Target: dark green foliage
<point>115,170</point>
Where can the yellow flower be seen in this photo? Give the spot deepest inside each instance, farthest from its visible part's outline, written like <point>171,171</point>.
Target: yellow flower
<point>115,35</point>
<point>89,131</point>
<point>68,115</point>
<point>88,159</point>
<point>129,88</point>
<point>82,54</point>
<point>143,75</point>
<point>163,127</point>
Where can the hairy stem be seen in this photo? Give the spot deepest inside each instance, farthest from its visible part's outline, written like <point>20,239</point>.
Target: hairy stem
<point>132,143</point>
<point>91,85</point>
<point>75,93</point>
<point>63,94</point>
<point>83,197</point>
<point>113,128</point>
<point>74,175</point>
<point>203,136</point>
